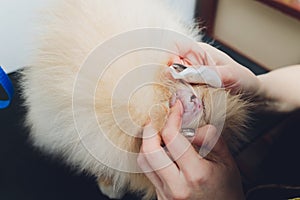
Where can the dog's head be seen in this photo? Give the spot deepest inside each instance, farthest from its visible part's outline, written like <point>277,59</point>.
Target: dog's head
<point>141,94</point>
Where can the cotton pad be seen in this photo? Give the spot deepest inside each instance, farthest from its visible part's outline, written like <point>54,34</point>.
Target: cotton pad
<point>197,75</point>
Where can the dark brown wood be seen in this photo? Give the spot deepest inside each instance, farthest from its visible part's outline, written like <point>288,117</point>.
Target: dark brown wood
<point>205,14</point>
<point>282,7</point>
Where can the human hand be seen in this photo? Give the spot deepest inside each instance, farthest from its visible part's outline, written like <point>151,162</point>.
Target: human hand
<point>234,76</point>
<point>180,172</point>
<point>273,91</point>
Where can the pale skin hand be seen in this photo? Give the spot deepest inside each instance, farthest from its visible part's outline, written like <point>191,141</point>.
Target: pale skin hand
<point>190,176</point>
<point>281,87</point>
<point>277,90</point>
<point>234,76</point>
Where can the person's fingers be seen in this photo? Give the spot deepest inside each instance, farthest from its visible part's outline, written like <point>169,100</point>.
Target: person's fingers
<point>148,171</point>
<point>154,177</point>
<point>234,76</point>
<point>225,66</point>
<point>229,75</point>
<point>158,195</point>
<point>205,136</point>
<point>219,57</point>
<point>178,146</point>
<point>175,117</point>
<point>156,157</point>
<point>210,141</point>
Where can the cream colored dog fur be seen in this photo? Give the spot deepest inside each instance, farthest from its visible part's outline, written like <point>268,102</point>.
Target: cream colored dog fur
<point>70,31</point>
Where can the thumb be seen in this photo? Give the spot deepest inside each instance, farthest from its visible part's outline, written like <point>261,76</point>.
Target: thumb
<point>209,140</point>
<point>228,74</point>
<point>237,78</point>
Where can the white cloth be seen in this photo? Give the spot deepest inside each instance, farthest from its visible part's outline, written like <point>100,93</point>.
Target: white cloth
<point>198,75</point>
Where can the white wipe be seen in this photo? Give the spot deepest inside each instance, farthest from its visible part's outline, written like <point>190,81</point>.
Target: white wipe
<point>202,74</point>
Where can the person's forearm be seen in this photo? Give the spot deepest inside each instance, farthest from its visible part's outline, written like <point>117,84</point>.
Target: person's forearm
<point>281,88</point>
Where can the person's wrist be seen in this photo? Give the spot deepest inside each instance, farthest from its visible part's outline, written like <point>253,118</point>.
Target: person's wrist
<point>266,100</point>
<point>261,92</point>
<point>263,99</point>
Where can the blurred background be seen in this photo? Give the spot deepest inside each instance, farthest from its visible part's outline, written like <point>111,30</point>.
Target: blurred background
<point>265,31</point>
<point>17,28</point>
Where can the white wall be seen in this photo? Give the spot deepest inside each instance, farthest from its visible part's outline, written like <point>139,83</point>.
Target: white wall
<point>17,19</point>
<point>264,34</point>
<point>184,7</point>
<point>17,31</point>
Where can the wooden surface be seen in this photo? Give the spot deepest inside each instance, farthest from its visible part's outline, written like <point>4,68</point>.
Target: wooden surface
<point>292,9</point>
<point>205,14</point>
<point>264,35</point>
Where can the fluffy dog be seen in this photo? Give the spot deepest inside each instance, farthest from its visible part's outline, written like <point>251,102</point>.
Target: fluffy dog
<point>59,104</point>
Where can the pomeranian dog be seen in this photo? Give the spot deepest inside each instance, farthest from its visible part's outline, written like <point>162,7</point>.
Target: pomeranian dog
<point>94,117</point>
